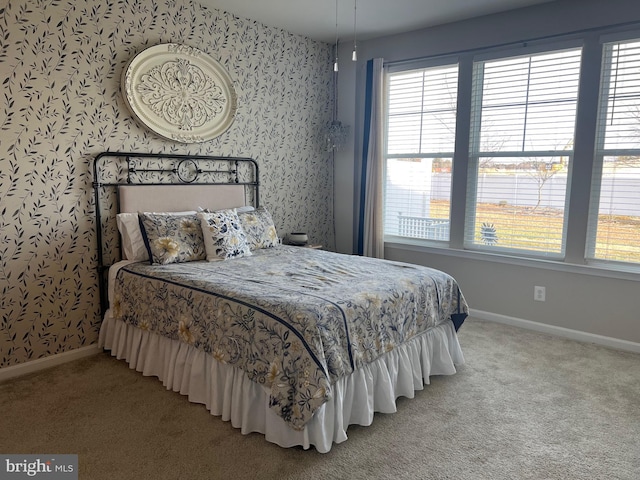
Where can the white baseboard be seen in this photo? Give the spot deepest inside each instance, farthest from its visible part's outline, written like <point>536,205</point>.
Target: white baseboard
<point>13,371</point>
<point>558,331</point>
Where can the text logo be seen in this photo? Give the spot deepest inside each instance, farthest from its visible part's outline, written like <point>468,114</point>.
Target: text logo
<point>49,467</point>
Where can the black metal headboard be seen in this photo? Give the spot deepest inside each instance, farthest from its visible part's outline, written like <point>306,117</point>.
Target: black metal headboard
<point>114,169</point>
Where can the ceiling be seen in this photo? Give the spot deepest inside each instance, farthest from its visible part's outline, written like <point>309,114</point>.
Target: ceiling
<point>317,18</point>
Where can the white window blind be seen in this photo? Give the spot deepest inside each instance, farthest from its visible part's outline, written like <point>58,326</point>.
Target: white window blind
<point>421,121</point>
<point>614,227</point>
<point>522,131</point>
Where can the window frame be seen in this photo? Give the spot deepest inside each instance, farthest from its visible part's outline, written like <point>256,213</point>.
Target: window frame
<point>580,170</point>
<point>475,151</point>
<point>405,67</point>
<point>600,152</point>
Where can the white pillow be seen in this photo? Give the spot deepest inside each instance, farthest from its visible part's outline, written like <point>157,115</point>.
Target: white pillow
<point>133,247</point>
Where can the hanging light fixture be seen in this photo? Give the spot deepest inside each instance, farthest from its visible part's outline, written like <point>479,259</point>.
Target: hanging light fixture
<point>354,55</point>
<point>336,134</point>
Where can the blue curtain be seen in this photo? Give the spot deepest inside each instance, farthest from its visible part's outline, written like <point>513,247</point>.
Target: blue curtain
<point>370,229</point>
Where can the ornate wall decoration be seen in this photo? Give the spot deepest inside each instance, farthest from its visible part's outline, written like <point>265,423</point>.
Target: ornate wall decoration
<point>179,92</point>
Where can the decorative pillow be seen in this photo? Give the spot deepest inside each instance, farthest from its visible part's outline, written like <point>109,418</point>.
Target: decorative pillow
<point>223,235</point>
<point>172,238</point>
<point>259,228</point>
<point>133,246</point>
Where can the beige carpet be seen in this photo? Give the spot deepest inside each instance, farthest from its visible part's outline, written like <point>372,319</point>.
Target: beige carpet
<point>525,406</point>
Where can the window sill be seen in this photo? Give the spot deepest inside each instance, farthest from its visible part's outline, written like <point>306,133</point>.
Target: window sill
<point>596,269</point>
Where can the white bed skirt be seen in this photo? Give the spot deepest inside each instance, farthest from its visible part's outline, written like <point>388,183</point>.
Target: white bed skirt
<point>227,392</point>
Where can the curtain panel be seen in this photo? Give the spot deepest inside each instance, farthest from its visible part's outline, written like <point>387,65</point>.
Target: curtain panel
<point>371,229</point>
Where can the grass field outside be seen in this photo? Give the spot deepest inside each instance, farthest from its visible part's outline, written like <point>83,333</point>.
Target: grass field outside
<point>618,236</point>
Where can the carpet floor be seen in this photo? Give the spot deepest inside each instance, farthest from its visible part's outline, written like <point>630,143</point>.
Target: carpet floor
<point>524,406</point>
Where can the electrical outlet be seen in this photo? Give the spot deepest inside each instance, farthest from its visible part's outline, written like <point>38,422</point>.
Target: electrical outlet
<point>539,293</point>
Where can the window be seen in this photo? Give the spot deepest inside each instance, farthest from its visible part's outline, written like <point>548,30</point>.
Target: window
<point>526,189</point>
<point>523,116</point>
<point>421,121</point>
<point>614,227</point>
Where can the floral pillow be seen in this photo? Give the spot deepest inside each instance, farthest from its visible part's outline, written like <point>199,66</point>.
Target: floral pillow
<point>224,237</point>
<point>133,246</point>
<point>172,238</point>
<point>259,228</point>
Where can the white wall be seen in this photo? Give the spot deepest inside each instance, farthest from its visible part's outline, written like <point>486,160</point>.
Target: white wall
<point>580,299</point>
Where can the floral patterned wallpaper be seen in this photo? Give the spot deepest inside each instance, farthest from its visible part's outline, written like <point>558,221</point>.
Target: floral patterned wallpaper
<point>60,65</point>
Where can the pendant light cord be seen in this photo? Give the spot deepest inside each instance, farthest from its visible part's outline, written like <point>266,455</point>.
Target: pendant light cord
<point>354,56</point>
<point>335,63</point>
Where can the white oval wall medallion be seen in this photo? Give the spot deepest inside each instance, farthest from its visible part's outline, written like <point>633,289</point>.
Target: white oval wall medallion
<point>179,92</point>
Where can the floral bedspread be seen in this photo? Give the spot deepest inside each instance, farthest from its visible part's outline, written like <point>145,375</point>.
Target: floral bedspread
<point>294,319</point>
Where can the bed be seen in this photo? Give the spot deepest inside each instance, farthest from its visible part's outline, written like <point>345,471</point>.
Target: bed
<point>291,342</point>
